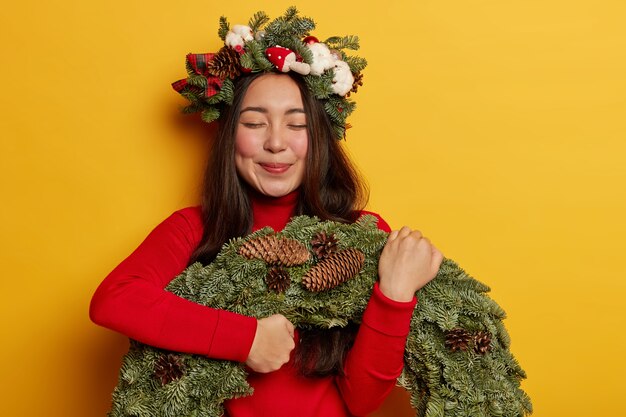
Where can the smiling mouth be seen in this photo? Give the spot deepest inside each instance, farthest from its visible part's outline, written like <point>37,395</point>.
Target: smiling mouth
<point>275,168</point>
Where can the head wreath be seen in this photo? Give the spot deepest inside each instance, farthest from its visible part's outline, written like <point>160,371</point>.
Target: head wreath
<point>282,45</point>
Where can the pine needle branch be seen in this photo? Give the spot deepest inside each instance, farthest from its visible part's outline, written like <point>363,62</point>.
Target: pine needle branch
<point>224,28</point>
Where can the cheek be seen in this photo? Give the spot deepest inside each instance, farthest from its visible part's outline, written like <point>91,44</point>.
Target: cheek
<point>245,145</point>
<point>244,154</point>
<point>300,147</point>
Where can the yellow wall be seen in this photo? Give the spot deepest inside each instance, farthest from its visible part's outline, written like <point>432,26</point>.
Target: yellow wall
<point>496,127</point>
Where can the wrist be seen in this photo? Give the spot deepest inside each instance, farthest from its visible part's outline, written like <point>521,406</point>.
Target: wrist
<point>387,316</point>
<point>395,293</point>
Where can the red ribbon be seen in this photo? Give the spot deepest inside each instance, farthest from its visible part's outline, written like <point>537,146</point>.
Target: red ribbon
<point>199,65</point>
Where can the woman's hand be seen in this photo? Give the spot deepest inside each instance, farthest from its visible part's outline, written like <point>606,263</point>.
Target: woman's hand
<point>408,262</point>
<point>272,344</point>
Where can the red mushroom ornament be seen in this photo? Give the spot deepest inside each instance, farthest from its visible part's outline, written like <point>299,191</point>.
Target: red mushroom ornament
<point>286,60</point>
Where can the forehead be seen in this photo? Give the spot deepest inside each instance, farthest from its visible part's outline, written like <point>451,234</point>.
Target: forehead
<point>273,91</point>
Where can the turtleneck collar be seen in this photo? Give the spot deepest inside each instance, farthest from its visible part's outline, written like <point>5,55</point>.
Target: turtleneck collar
<point>274,212</point>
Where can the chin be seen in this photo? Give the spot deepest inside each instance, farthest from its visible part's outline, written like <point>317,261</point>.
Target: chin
<point>276,191</point>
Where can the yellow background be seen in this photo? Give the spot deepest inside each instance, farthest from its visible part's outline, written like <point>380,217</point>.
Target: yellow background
<point>496,127</point>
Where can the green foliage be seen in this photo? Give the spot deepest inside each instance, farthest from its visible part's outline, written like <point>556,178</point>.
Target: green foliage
<point>192,108</point>
<point>340,131</point>
<point>322,86</point>
<point>286,27</point>
<point>339,108</point>
<point>257,21</point>
<point>343,42</point>
<point>197,80</point>
<point>189,68</point>
<point>225,95</point>
<point>255,59</point>
<point>356,63</point>
<point>223,29</point>
<point>210,114</point>
<point>296,45</point>
<point>193,97</point>
<point>290,13</point>
<point>441,382</point>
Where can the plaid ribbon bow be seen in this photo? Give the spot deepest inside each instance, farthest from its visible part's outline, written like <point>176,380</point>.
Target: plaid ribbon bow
<point>198,63</point>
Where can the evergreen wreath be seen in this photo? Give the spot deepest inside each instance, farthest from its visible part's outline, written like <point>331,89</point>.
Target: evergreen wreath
<point>281,45</point>
<point>457,358</point>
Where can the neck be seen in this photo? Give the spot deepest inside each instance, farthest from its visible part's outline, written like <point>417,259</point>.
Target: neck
<point>274,212</point>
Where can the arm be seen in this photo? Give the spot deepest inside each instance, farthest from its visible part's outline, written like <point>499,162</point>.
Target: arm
<point>375,361</point>
<point>132,299</point>
<point>377,357</point>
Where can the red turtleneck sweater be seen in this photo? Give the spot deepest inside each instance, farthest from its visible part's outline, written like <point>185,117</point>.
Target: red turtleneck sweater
<point>132,300</point>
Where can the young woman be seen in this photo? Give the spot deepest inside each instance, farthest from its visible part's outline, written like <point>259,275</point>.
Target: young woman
<point>275,156</point>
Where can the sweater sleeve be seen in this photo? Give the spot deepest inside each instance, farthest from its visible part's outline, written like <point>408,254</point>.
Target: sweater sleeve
<point>377,356</point>
<point>132,299</point>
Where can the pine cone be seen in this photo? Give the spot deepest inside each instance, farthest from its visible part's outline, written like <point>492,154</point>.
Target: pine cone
<point>323,245</point>
<point>168,368</point>
<point>482,342</point>
<point>358,81</point>
<point>336,269</point>
<point>277,279</point>
<point>275,251</point>
<point>225,64</point>
<point>457,339</point>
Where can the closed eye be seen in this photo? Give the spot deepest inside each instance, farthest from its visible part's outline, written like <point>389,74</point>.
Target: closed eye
<point>253,125</point>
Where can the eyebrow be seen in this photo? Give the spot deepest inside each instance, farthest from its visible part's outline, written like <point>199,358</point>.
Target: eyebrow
<point>264,110</point>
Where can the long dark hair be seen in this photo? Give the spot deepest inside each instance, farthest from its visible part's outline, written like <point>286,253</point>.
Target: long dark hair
<point>331,190</point>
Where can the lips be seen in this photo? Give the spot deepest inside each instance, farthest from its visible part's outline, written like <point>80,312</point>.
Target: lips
<point>274,167</point>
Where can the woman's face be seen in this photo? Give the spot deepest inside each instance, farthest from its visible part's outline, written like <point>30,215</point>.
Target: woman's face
<point>271,138</point>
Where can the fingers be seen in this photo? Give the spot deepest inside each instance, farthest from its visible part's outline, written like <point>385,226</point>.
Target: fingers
<point>404,233</point>
<point>436,259</point>
<point>397,239</point>
<point>290,328</point>
<point>407,263</point>
<point>288,325</point>
<point>272,344</point>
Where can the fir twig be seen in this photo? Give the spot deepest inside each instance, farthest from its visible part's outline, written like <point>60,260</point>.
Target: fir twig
<point>356,64</point>
<point>224,28</point>
<point>343,42</point>
<point>210,114</point>
<point>257,21</point>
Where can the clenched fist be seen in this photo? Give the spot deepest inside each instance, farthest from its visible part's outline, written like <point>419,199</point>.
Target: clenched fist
<point>408,262</point>
<point>273,342</point>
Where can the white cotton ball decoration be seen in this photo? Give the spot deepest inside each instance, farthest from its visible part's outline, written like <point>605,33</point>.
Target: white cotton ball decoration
<point>233,40</point>
<point>322,58</point>
<point>244,31</point>
<point>237,36</point>
<point>343,79</point>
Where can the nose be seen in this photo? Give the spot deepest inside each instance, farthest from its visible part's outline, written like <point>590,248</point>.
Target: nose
<point>276,140</point>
